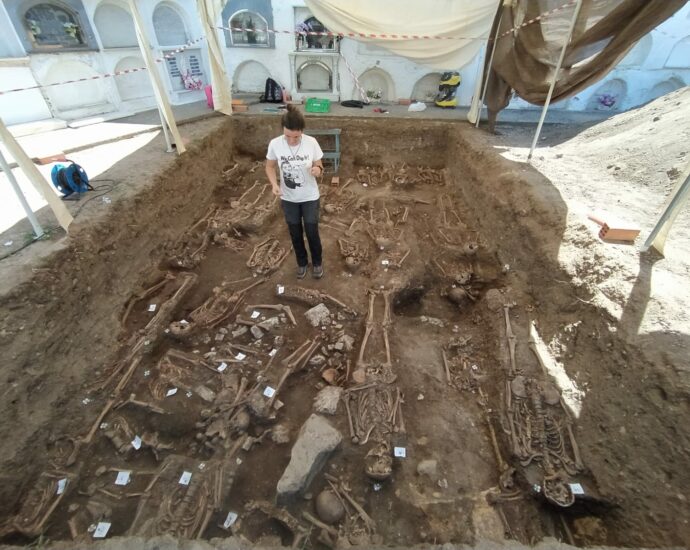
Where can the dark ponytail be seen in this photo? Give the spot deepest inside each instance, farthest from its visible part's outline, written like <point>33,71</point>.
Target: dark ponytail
<point>293,119</point>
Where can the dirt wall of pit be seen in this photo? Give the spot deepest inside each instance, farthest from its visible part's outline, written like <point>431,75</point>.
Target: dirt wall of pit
<point>630,430</point>
<point>60,329</point>
<point>365,143</point>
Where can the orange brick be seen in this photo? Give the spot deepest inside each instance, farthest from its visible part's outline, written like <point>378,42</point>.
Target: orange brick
<point>240,108</point>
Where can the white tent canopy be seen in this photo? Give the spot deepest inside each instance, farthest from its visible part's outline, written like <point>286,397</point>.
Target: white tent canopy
<point>463,24</point>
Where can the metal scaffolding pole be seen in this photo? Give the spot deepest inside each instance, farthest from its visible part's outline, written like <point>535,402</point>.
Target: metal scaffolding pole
<point>38,230</point>
<point>675,201</point>
<point>488,69</point>
<point>555,78</point>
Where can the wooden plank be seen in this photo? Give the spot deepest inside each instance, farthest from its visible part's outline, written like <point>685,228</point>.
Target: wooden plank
<point>158,88</point>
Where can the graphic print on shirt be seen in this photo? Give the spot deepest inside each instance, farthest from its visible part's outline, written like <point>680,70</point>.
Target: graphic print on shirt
<point>292,175</point>
<point>292,167</point>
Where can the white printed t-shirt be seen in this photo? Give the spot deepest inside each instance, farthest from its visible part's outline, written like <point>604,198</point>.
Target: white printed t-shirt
<point>296,182</point>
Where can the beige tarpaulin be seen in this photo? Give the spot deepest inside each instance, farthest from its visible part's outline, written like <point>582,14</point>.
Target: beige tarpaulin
<point>465,22</point>
<point>209,12</point>
<point>525,59</point>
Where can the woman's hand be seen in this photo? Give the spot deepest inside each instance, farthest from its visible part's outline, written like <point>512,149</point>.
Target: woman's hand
<point>275,189</point>
<point>316,170</point>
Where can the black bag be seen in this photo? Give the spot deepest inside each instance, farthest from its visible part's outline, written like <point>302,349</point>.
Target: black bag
<point>353,103</point>
<point>273,93</point>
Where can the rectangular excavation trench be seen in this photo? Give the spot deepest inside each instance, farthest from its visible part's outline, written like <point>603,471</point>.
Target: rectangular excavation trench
<point>431,242</point>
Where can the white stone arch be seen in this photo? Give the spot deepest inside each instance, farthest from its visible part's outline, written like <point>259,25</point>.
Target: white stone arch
<point>679,58</point>
<point>314,76</point>
<point>665,87</point>
<point>76,95</point>
<point>250,76</point>
<point>114,25</point>
<point>426,87</point>
<point>639,53</point>
<point>133,85</point>
<point>376,79</point>
<point>610,96</point>
<point>170,25</point>
<point>243,38</point>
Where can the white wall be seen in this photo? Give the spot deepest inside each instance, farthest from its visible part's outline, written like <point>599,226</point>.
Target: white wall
<point>86,99</point>
<point>658,63</point>
<point>361,57</point>
<point>15,72</point>
<point>20,107</point>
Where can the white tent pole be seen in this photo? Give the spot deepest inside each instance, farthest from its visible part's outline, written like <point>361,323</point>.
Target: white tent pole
<point>488,69</point>
<point>38,230</point>
<point>555,77</point>
<point>158,89</point>
<point>35,177</point>
<point>657,238</point>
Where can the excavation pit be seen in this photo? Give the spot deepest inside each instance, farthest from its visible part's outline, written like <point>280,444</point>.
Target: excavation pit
<point>439,257</point>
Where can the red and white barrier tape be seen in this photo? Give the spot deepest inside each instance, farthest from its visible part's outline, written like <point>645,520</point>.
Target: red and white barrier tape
<point>340,34</point>
<point>303,33</point>
<point>169,55</point>
<point>544,15</point>
<point>539,17</point>
<point>361,91</point>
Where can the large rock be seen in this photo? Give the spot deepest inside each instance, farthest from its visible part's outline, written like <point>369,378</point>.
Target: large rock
<point>316,441</point>
<point>318,315</point>
<point>326,401</point>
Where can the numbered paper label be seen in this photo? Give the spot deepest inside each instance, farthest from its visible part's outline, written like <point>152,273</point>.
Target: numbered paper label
<point>101,530</point>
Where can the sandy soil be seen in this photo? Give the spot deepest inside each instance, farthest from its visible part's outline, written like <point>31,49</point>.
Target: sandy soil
<point>60,375</point>
<point>625,167</point>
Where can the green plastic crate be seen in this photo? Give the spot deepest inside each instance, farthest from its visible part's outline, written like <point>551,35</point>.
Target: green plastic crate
<point>317,105</point>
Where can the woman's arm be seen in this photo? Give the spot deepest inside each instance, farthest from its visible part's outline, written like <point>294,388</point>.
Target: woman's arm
<point>317,168</point>
<point>271,166</point>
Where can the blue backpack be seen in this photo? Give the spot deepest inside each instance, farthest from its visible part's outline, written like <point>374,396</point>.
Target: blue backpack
<point>69,179</point>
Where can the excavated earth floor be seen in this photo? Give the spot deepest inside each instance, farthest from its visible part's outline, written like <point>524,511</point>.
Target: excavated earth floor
<point>159,368</point>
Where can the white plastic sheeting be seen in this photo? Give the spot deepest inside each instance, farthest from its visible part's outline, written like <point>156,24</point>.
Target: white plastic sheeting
<point>464,24</point>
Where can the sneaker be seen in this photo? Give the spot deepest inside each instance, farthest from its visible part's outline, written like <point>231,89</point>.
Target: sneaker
<point>317,271</point>
<point>301,271</point>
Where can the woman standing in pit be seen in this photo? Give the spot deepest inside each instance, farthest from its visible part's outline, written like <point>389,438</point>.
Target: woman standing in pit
<point>298,159</point>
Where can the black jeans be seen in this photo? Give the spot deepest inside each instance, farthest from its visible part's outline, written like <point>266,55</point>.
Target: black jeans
<point>307,214</point>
